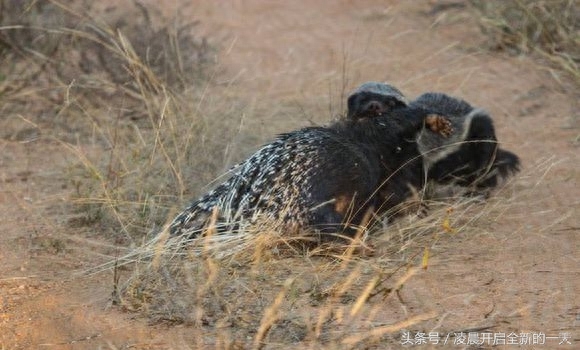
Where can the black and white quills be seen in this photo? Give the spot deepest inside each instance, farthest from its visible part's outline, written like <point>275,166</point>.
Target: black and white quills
<point>470,158</point>
<point>318,179</point>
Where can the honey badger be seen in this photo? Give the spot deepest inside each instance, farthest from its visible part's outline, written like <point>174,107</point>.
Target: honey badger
<point>372,99</point>
<point>322,179</point>
<point>470,158</point>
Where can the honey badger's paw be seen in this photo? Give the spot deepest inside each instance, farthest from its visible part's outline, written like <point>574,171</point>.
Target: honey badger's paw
<point>439,124</point>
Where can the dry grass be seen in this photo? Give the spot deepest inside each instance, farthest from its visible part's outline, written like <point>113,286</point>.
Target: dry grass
<point>130,100</point>
<point>260,288</point>
<point>550,29</point>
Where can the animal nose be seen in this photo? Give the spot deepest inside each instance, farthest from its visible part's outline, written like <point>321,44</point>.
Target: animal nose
<point>375,107</point>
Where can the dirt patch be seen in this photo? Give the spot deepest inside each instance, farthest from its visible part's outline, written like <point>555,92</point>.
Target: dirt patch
<point>518,275</point>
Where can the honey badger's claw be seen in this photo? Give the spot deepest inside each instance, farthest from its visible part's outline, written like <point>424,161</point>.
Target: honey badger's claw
<point>439,124</point>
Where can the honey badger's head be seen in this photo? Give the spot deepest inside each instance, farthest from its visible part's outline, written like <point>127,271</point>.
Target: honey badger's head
<point>471,155</point>
<point>372,99</point>
<point>433,146</point>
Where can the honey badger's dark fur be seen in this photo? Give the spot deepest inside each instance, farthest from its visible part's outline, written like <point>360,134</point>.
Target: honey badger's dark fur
<point>321,178</point>
<point>471,157</point>
<point>372,99</point>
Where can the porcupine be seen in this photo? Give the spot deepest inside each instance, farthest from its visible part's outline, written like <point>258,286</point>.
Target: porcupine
<point>320,179</point>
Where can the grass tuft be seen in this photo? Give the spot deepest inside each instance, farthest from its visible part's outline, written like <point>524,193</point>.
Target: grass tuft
<point>550,29</point>
<point>257,287</point>
<point>130,100</point>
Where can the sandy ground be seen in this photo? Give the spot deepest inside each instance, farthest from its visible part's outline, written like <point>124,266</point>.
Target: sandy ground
<point>523,277</point>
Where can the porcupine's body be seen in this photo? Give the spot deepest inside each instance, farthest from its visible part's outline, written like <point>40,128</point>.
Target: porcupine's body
<point>319,178</point>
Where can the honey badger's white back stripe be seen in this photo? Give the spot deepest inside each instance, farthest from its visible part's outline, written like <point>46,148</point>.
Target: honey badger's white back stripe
<point>434,147</point>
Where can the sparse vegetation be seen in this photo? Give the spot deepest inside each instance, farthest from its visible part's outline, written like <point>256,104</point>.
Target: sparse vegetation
<point>259,287</point>
<point>274,290</point>
<point>135,91</point>
<point>550,29</point>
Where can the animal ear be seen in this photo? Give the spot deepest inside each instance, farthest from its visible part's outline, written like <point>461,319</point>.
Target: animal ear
<point>439,124</point>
